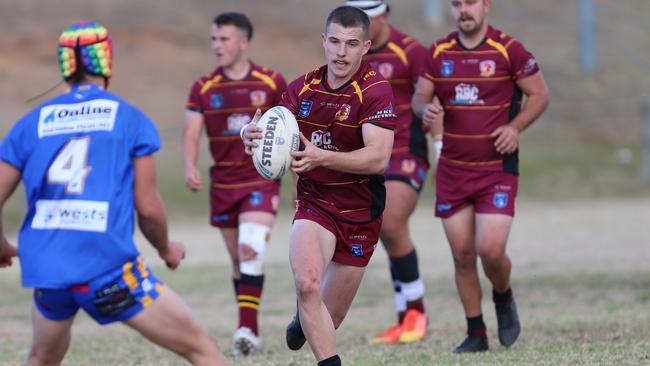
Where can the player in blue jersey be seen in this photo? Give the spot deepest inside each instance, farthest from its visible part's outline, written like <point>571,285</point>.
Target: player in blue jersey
<point>86,161</point>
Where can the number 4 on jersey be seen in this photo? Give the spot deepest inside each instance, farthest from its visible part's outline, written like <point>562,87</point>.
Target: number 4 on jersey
<point>70,166</point>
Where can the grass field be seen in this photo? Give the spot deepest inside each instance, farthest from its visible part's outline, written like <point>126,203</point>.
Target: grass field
<point>580,276</point>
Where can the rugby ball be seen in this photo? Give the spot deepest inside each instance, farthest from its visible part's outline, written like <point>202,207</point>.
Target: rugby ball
<point>281,136</point>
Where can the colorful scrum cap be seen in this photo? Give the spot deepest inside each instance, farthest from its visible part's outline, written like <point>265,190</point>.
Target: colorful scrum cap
<point>88,43</point>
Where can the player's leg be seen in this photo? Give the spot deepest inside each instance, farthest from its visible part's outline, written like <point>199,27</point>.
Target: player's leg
<point>459,229</point>
<point>311,249</point>
<point>50,339</point>
<point>224,211</point>
<point>230,235</point>
<point>492,232</point>
<point>168,322</point>
<point>401,200</point>
<point>340,285</point>
<point>254,231</point>
<point>495,211</point>
<point>257,212</point>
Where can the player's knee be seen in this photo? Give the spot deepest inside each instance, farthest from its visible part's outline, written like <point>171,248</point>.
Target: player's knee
<point>255,236</point>
<point>491,257</point>
<point>42,358</point>
<point>204,348</point>
<point>307,285</point>
<point>465,259</point>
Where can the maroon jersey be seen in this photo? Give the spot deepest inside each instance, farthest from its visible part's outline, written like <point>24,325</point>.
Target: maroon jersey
<point>478,92</point>
<point>332,120</point>
<point>400,61</point>
<point>227,105</point>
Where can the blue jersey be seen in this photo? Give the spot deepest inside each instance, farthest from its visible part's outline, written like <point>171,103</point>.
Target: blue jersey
<point>75,153</point>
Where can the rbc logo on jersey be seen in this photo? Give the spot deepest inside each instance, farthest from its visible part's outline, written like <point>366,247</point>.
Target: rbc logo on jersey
<point>216,101</point>
<point>500,200</point>
<point>356,250</point>
<point>256,198</point>
<point>447,68</point>
<point>305,108</point>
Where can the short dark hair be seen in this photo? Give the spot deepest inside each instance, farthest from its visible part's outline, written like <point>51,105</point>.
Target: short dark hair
<point>239,20</point>
<point>349,17</point>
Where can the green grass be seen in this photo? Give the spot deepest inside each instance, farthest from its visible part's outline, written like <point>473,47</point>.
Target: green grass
<point>581,319</point>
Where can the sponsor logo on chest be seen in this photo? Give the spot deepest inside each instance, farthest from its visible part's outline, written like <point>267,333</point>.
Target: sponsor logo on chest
<point>467,94</point>
<point>235,123</point>
<point>323,140</point>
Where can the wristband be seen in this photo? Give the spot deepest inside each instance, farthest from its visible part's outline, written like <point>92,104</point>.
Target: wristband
<point>241,131</point>
<point>437,148</point>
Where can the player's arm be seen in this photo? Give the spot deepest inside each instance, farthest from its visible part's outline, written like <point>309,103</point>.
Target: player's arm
<point>152,219</point>
<point>423,104</point>
<point>437,129</point>
<point>9,179</point>
<point>370,159</point>
<point>191,141</point>
<point>537,99</point>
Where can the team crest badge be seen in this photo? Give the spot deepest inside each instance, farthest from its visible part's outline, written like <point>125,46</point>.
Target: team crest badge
<point>488,67</point>
<point>216,101</point>
<point>356,250</point>
<point>256,198</point>
<point>447,68</point>
<point>500,200</point>
<point>343,113</point>
<point>385,69</point>
<point>305,108</point>
<point>258,98</point>
<point>408,166</point>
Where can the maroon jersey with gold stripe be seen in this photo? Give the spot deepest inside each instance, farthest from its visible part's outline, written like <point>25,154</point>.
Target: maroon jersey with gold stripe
<point>332,120</point>
<point>478,92</point>
<point>227,105</point>
<point>400,61</point>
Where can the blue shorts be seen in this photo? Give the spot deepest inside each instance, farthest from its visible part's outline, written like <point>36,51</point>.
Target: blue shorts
<point>114,296</point>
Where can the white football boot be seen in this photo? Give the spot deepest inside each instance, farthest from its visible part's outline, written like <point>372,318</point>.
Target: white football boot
<point>246,342</point>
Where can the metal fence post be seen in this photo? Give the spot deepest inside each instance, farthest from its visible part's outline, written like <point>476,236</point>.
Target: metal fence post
<point>587,31</point>
<point>645,144</point>
<point>433,11</point>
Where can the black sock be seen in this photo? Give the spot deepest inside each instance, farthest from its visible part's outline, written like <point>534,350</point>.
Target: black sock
<point>397,289</point>
<point>475,326</point>
<point>502,299</point>
<point>332,361</point>
<point>406,267</point>
<point>406,271</point>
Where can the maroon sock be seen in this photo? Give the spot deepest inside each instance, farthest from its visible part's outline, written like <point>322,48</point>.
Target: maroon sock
<point>249,297</point>
<point>502,299</point>
<point>476,326</point>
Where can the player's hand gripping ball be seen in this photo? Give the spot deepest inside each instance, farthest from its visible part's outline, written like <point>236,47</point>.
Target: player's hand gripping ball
<point>280,136</point>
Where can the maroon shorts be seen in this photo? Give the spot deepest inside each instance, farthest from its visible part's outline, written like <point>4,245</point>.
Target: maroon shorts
<point>227,203</point>
<point>409,169</point>
<point>355,243</point>
<point>488,192</point>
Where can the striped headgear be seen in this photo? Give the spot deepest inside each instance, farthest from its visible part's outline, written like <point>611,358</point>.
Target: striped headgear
<point>372,8</point>
<point>87,47</point>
